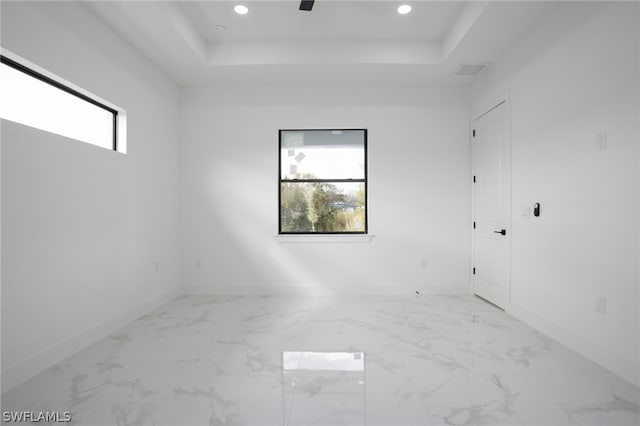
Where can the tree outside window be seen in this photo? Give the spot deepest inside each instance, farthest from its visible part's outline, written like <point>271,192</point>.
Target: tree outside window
<point>323,182</point>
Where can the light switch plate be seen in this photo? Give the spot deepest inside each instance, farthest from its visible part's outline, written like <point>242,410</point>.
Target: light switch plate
<point>601,141</point>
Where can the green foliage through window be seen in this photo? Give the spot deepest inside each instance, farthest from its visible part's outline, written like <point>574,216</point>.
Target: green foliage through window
<point>323,181</point>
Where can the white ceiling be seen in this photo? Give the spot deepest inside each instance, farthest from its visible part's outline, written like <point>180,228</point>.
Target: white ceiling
<point>329,20</point>
<point>339,42</point>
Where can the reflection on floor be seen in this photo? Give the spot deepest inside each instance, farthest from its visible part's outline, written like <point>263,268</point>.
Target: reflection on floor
<point>329,361</point>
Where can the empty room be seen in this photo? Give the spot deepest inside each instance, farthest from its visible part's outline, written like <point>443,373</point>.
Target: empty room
<point>321,212</point>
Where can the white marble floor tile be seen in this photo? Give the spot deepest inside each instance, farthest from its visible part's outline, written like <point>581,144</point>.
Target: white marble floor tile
<point>384,361</point>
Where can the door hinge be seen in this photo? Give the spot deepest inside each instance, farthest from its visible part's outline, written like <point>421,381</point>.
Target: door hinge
<point>474,225</point>
<point>474,179</point>
<point>474,271</point>
<point>474,133</point>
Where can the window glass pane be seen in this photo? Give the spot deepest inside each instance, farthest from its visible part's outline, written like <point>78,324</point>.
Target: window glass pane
<point>322,207</point>
<point>322,154</point>
<point>32,102</point>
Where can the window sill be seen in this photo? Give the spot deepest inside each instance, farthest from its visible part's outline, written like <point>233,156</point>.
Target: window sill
<point>323,239</point>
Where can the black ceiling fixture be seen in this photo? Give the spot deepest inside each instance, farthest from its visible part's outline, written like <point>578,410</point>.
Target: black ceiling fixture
<point>306,5</point>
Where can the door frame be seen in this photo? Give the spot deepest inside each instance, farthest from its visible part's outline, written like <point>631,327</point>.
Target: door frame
<point>479,109</point>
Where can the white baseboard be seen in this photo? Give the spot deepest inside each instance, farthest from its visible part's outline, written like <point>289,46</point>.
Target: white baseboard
<point>315,290</point>
<point>254,290</point>
<point>19,373</point>
<point>625,368</point>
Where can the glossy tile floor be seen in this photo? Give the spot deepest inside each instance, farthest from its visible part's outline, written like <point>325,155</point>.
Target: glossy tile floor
<point>329,361</point>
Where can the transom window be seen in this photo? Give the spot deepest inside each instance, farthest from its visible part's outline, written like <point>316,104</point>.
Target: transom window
<point>34,99</point>
<point>323,181</point>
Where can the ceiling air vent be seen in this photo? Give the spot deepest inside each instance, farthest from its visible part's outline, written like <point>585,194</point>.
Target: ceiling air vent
<point>469,70</point>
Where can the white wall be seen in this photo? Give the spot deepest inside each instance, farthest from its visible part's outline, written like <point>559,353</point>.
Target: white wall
<point>82,226</point>
<point>573,78</point>
<point>418,191</point>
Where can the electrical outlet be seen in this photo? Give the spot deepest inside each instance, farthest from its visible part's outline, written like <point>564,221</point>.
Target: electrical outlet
<point>156,266</point>
<point>424,263</point>
<point>601,305</point>
<point>198,263</point>
<point>601,141</point>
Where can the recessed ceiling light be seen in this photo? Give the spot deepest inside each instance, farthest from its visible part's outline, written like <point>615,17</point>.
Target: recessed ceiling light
<point>404,9</point>
<point>241,9</point>
<point>218,28</point>
<point>336,132</point>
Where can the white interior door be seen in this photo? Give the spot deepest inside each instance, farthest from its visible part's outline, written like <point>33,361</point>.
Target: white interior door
<point>491,168</point>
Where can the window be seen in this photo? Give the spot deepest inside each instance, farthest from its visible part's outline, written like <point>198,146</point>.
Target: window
<point>34,99</point>
<point>323,181</point>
